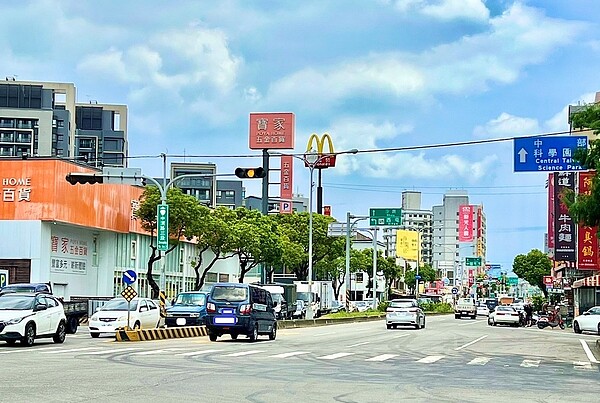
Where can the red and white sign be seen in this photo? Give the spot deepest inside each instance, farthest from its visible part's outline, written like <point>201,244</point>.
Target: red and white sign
<point>551,213</point>
<point>465,223</point>
<point>471,277</point>
<point>285,184</point>
<point>587,240</point>
<point>327,210</point>
<point>272,130</point>
<point>548,280</point>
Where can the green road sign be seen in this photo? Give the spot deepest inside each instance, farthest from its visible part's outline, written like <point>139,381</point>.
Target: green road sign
<point>385,216</point>
<point>472,261</point>
<point>162,223</point>
<point>513,281</point>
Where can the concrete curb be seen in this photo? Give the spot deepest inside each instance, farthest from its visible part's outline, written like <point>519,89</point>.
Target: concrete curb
<point>297,323</point>
<point>160,333</point>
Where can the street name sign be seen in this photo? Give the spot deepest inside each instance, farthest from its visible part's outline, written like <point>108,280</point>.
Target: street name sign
<point>162,224</point>
<point>129,277</point>
<point>473,261</point>
<point>385,216</point>
<point>547,154</point>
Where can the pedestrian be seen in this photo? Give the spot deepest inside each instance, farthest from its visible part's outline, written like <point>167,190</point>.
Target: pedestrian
<point>528,308</point>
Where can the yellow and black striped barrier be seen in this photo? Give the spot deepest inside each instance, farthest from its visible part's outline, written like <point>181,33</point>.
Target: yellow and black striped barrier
<point>160,333</point>
<point>162,298</point>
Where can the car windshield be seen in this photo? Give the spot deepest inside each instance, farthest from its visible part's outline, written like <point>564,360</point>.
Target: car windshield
<point>505,308</point>
<point>401,304</point>
<point>229,293</point>
<point>594,311</point>
<point>119,305</point>
<point>17,302</point>
<point>191,299</point>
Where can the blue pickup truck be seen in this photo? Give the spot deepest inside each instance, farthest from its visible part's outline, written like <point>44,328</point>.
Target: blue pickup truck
<point>189,309</point>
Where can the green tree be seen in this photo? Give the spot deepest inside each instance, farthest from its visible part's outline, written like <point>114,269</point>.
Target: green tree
<point>255,240</point>
<point>333,266</point>
<point>533,267</point>
<point>585,208</point>
<point>212,232</point>
<point>182,212</point>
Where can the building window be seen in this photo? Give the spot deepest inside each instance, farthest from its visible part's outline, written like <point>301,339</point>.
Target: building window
<point>211,277</point>
<point>223,278</point>
<point>133,250</point>
<point>230,194</point>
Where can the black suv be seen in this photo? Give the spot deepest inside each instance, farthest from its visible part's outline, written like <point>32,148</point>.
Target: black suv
<point>234,309</point>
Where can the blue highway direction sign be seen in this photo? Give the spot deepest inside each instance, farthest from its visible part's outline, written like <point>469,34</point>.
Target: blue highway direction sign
<point>129,277</point>
<point>547,154</point>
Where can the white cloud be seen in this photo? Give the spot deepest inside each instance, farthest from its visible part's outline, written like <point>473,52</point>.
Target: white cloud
<point>520,37</point>
<point>454,9</point>
<point>507,125</point>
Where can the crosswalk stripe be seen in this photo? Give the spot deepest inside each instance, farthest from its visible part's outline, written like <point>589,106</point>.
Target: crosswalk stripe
<point>430,359</point>
<point>111,351</point>
<point>382,357</point>
<point>70,350</point>
<point>479,361</point>
<point>334,356</point>
<point>241,353</point>
<point>286,355</point>
<point>530,363</point>
<point>192,353</point>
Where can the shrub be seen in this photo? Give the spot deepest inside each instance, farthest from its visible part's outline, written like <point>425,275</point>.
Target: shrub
<point>437,307</point>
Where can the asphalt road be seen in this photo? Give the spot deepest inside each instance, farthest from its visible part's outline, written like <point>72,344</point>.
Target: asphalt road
<point>451,360</point>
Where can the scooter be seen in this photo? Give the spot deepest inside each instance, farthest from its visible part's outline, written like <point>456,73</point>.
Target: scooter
<point>550,321</point>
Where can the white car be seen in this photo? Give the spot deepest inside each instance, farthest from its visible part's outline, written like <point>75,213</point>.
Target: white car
<point>144,313</point>
<point>404,312</point>
<point>588,321</point>
<point>26,317</point>
<point>504,315</point>
<point>482,310</point>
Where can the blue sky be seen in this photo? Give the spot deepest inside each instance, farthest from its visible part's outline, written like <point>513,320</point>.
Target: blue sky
<point>372,73</point>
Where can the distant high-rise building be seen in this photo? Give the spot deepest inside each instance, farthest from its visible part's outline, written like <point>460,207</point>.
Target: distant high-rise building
<point>43,119</point>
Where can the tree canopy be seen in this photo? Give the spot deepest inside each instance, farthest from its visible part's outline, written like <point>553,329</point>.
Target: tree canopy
<point>533,267</point>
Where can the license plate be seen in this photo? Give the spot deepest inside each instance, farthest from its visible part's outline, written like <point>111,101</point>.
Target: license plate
<point>227,311</point>
<point>180,321</point>
<point>227,320</point>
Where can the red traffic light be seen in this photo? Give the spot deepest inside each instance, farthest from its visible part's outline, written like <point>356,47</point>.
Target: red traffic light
<point>250,173</point>
<point>84,178</point>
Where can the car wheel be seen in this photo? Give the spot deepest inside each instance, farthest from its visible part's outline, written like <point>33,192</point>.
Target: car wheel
<point>577,329</point>
<point>72,325</point>
<point>212,336</point>
<point>95,335</point>
<point>423,324</point>
<point>254,335</point>
<point>11,342</point>
<point>273,333</point>
<point>234,336</point>
<point>456,316</point>
<point>61,333</point>
<point>29,336</point>
<point>598,328</point>
<point>137,326</point>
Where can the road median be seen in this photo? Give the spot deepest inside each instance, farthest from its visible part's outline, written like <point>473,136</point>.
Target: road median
<point>160,333</point>
<point>297,323</point>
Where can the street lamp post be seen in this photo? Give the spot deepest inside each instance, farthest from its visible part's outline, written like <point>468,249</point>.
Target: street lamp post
<point>349,226</point>
<point>311,159</point>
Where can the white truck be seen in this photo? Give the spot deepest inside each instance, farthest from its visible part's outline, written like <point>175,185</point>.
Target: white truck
<point>322,296</point>
<point>465,307</point>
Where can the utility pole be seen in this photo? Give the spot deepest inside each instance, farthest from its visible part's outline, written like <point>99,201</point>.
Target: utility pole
<point>265,205</point>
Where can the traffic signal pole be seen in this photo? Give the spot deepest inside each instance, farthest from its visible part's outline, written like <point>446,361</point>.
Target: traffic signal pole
<point>265,204</point>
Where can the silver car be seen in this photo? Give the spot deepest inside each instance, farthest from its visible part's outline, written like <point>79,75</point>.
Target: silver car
<point>404,312</point>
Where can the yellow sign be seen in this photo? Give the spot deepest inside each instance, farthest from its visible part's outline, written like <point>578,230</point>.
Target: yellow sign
<point>326,160</point>
<point>407,244</point>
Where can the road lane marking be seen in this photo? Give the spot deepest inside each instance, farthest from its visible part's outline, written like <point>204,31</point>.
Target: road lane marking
<point>28,350</point>
<point>358,344</point>
<point>530,363</point>
<point>471,323</point>
<point>382,357</point>
<point>115,350</point>
<point>471,342</point>
<point>151,352</point>
<point>292,354</point>
<point>334,356</point>
<point>71,350</point>
<point>192,353</point>
<point>588,352</point>
<point>430,359</point>
<point>479,361</point>
<point>241,353</point>
<point>402,335</point>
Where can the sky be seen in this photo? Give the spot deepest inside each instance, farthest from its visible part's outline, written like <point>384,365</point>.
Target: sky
<point>373,74</point>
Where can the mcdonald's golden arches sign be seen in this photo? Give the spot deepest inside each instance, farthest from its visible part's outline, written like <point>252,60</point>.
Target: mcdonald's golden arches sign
<point>326,160</point>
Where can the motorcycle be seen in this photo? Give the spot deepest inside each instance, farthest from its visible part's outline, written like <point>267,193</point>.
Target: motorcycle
<point>551,321</point>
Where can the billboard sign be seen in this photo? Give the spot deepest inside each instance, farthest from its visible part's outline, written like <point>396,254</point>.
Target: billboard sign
<point>587,240</point>
<point>465,223</point>
<point>272,131</point>
<point>565,228</point>
<point>285,184</point>
<point>543,154</point>
<point>407,244</point>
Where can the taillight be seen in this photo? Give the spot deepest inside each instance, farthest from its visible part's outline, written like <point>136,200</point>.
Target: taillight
<point>210,307</point>
<point>245,309</point>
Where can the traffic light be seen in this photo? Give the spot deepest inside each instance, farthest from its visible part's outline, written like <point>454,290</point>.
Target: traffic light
<point>250,173</point>
<point>84,178</point>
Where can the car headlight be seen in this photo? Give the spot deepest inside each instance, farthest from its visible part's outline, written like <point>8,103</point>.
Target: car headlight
<point>14,321</point>
<point>94,317</point>
<point>169,314</point>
